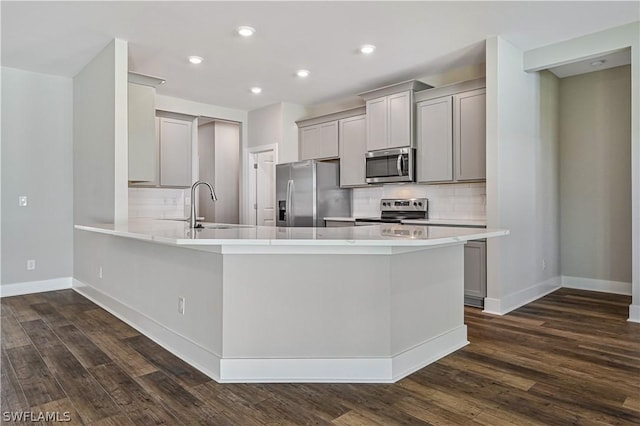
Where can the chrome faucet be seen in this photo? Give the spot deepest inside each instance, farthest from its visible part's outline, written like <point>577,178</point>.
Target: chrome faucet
<point>193,219</point>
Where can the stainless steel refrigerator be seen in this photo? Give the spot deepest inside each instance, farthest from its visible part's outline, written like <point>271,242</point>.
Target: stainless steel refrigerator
<point>308,191</point>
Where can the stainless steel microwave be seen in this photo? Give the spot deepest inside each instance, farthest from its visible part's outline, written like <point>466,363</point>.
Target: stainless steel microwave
<point>390,165</point>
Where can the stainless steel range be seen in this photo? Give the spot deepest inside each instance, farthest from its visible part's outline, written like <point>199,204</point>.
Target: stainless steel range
<point>395,210</point>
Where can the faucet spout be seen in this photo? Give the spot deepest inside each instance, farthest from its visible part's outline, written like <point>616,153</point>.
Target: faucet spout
<point>193,222</point>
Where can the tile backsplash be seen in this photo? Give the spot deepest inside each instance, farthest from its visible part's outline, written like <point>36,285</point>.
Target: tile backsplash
<point>158,203</point>
<point>447,201</point>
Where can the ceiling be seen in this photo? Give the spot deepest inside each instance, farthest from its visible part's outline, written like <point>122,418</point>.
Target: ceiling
<point>413,39</point>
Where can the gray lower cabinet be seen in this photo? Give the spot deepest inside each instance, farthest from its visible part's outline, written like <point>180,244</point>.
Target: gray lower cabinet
<point>175,152</point>
<point>353,147</point>
<point>319,141</point>
<point>451,138</point>
<point>475,272</point>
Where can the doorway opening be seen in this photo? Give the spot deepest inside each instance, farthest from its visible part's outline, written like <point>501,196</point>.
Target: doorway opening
<point>262,177</point>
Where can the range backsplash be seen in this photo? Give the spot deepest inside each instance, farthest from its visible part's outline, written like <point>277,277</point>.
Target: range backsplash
<point>448,201</point>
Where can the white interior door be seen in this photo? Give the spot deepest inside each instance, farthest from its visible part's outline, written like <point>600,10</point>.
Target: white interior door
<point>265,188</point>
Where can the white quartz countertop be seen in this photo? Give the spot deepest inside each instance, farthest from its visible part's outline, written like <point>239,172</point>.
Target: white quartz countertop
<point>179,233</point>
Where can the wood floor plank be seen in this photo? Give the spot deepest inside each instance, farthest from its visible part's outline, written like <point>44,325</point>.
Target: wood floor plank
<point>50,314</point>
<point>38,383</point>
<point>89,398</point>
<point>134,363</point>
<point>131,397</point>
<point>62,409</point>
<point>81,346</point>
<point>187,407</point>
<point>21,307</point>
<point>12,398</point>
<point>12,333</point>
<point>167,362</point>
<point>226,399</point>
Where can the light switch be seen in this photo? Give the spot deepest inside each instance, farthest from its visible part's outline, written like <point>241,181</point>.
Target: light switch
<point>22,201</point>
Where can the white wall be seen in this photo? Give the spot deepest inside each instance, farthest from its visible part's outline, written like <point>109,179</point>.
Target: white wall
<point>37,161</point>
<point>100,142</point>
<point>595,165</point>
<point>227,170</point>
<point>592,45</point>
<point>519,152</point>
<point>288,148</point>
<point>265,126</point>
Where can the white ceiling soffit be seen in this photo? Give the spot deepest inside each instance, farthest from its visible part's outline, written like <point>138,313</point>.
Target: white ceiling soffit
<point>610,60</point>
<point>413,39</point>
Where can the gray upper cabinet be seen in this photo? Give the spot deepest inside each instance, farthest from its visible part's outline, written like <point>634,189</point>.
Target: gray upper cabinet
<point>175,152</point>
<point>451,138</point>
<point>400,110</point>
<point>142,133</point>
<point>389,121</point>
<point>319,141</point>
<point>377,124</point>
<point>469,135</point>
<point>353,146</point>
<point>434,140</point>
<point>390,112</point>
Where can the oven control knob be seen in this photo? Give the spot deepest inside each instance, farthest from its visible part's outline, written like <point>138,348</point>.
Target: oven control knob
<point>420,203</point>
<point>415,204</point>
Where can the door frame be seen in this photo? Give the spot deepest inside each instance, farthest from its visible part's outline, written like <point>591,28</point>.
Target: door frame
<point>250,176</point>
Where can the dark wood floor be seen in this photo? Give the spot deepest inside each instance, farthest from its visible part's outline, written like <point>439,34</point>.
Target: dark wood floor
<point>569,358</point>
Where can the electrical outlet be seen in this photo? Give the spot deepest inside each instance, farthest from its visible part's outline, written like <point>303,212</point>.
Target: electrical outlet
<point>544,264</point>
<point>181,305</point>
<point>31,264</point>
<point>100,272</point>
<point>22,201</point>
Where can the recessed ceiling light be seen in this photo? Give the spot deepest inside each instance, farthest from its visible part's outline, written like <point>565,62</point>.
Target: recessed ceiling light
<point>302,73</point>
<point>367,49</point>
<point>196,60</point>
<point>256,90</point>
<point>245,31</point>
<point>598,63</point>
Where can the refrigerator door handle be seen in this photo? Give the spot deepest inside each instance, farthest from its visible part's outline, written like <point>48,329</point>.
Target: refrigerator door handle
<point>288,201</point>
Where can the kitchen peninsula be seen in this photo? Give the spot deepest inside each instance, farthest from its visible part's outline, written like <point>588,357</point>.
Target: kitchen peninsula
<point>272,304</point>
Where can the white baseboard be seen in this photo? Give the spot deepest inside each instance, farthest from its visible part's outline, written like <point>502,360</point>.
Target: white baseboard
<point>634,313</point>
<point>513,301</point>
<point>29,287</point>
<point>190,352</point>
<point>343,370</point>
<point>605,286</point>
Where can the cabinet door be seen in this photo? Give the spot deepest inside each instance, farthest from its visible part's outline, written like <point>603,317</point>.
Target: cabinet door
<point>319,141</point>
<point>400,119</point>
<point>475,269</point>
<point>175,152</point>
<point>329,140</point>
<point>353,146</point>
<point>435,140</point>
<point>377,124</point>
<point>469,135</point>
<point>310,140</point>
<point>142,133</point>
